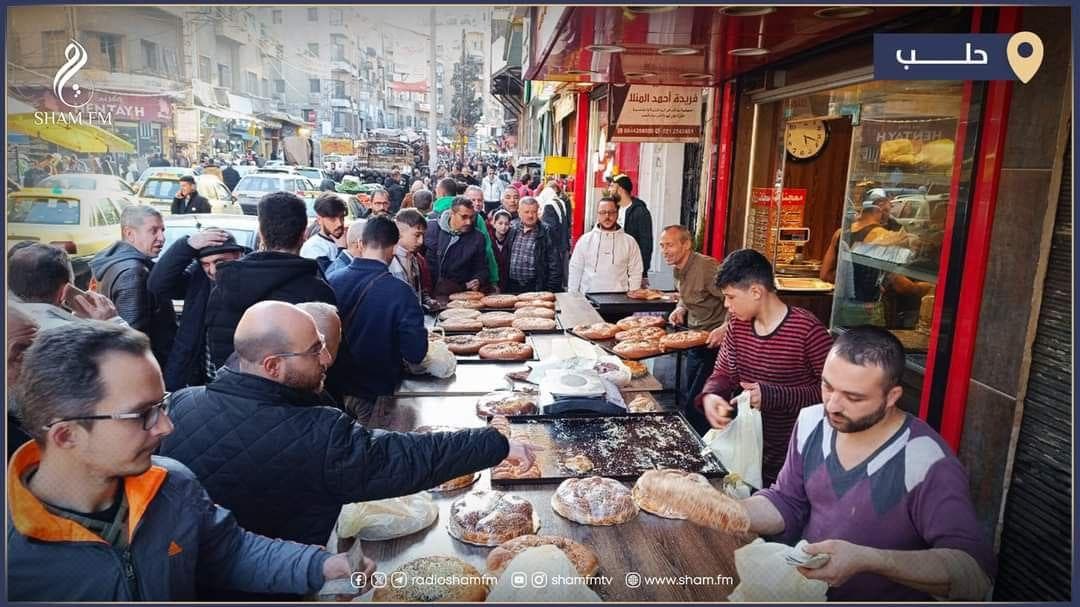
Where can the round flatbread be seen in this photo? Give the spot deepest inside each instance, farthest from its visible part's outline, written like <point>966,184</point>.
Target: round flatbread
<point>637,369</point>
<point>578,464</point>
<point>499,301</point>
<point>457,581</point>
<point>545,295</point>
<point>583,558</point>
<point>494,336</point>
<point>637,322</point>
<point>494,320</point>
<point>461,324</point>
<point>644,333</point>
<point>458,313</point>
<point>594,500</point>
<point>453,484</point>
<point>489,518</point>
<point>637,349</point>
<point>464,345</point>
<point>506,403</point>
<point>506,350</point>
<point>599,331</point>
<point>535,303</point>
<point>469,304</point>
<point>643,403</point>
<point>684,340</point>
<point>534,324</point>
<point>467,296</point>
<point>534,313</point>
<point>659,508</point>
<point>645,294</point>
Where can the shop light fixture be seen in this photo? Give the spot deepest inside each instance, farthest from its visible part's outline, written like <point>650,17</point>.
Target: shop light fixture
<point>639,74</point>
<point>695,76</point>
<point>750,51</point>
<point>677,50</point>
<point>843,12</point>
<point>575,72</point>
<point>650,10</point>
<point>746,11</point>
<point>606,48</point>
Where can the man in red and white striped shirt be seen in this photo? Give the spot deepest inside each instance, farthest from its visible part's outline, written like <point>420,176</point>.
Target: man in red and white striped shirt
<point>771,350</point>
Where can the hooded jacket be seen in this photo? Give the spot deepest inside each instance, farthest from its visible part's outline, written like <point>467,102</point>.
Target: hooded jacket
<point>605,262</point>
<point>285,465</point>
<point>177,536</point>
<point>442,205</point>
<point>260,276</point>
<point>455,256</point>
<point>548,262</point>
<point>639,225</point>
<point>121,272</point>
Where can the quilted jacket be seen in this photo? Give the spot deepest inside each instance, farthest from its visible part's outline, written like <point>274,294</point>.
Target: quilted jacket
<point>285,464</point>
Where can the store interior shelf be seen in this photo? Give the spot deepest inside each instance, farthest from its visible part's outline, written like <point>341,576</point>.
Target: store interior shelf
<point>904,270</point>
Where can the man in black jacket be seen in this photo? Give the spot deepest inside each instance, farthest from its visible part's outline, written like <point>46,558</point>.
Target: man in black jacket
<point>637,221</point>
<point>187,271</point>
<point>188,200</point>
<point>455,250</point>
<point>230,176</point>
<point>122,271</point>
<point>535,263</point>
<point>275,272</point>
<point>396,188</point>
<point>266,445</point>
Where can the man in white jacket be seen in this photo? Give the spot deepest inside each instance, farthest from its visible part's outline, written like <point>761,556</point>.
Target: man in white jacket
<point>607,259</point>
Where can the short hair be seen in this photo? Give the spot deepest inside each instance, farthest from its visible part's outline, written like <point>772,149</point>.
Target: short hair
<point>380,191</point>
<point>355,234</point>
<point>187,178</point>
<point>461,201</point>
<point>529,200</point>
<point>743,268</point>
<point>282,220</point>
<point>18,246</point>
<point>868,345</point>
<point>61,372</point>
<point>320,311</point>
<point>447,185</point>
<point>682,231</point>
<point>380,232</point>
<point>461,187</point>
<point>38,271</point>
<point>422,200</point>
<point>329,204</point>
<point>474,188</point>
<point>135,216</point>
<point>612,200</point>
<point>411,218</point>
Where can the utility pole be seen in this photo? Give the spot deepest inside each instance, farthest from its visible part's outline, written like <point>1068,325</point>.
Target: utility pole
<point>433,115</point>
<point>461,110</point>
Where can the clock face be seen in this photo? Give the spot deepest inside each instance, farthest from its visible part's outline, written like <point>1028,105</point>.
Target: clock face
<point>805,139</point>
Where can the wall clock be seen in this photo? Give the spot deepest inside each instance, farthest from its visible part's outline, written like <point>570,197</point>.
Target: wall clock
<point>806,138</point>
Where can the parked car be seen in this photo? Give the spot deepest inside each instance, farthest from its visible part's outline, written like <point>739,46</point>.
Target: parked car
<point>160,170</point>
<point>244,228</point>
<point>82,222</point>
<point>316,175</point>
<point>92,181</point>
<point>253,187</point>
<point>159,190</point>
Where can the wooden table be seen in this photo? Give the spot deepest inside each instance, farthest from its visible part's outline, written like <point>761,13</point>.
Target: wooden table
<point>647,545</point>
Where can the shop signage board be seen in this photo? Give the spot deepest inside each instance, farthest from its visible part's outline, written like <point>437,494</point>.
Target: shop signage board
<point>130,108</point>
<point>765,223</point>
<point>336,146</point>
<point>186,125</point>
<point>662,114</point>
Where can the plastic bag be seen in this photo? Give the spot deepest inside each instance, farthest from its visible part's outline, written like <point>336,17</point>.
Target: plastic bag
<point>739,445</point>
<point>387,519</point>
<point>764,576</point>
<point>439,362</point>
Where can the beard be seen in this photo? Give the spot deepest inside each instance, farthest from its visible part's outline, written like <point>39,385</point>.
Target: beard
<point>299,380</point>
<point>850,426</point>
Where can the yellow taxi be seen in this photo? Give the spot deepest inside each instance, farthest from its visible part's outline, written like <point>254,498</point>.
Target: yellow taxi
<point>158,190</point>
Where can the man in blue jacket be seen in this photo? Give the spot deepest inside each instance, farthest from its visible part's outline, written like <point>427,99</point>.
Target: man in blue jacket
<point>382,321</point>
<point>93,515</point>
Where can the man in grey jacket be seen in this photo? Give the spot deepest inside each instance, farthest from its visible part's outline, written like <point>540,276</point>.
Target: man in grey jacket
<point>93,515</point>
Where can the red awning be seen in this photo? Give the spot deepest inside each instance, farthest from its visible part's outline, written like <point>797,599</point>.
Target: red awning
<point>409,87</point>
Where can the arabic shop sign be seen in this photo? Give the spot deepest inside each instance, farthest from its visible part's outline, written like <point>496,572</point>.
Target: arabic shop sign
<point>150,108</point>
<point>657,114</point>
<point>957,56</point>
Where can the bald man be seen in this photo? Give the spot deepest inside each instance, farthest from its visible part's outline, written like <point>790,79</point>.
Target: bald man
<point>266,446</point>
<point>21,331</point>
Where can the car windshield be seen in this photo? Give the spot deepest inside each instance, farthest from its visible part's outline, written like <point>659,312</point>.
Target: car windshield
<point>259,184</point>
<point>69,182</point>
<point>160,188</point>
<point>49,211</point>
<point>311,174</point>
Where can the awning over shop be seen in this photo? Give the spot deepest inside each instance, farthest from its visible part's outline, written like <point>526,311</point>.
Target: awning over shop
<point>83,138</point>
<point>228,114</point>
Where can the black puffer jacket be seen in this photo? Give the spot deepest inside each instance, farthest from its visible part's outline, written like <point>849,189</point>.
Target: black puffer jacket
<point>260,276</point>
<point>122,271</point>
<point>639,225</point>
<point>285,465</point>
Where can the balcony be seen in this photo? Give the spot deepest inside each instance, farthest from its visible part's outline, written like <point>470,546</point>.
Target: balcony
<point>344,65</point>
<point>230,29</point>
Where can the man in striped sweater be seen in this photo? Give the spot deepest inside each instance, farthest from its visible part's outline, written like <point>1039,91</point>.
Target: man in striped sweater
<point>771,350</point>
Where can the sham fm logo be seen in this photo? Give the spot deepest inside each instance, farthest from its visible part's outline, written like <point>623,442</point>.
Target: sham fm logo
<point>76,96</point>
<point>957,56</point>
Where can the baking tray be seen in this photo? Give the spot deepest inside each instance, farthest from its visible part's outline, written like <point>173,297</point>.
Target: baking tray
<point>558,330</point>
<point>608,345</point>
<point>620,446</point>
<point>618,303</point>
<point>475,358</point>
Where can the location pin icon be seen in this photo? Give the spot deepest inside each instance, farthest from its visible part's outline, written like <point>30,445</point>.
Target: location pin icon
<point>1025,66</point>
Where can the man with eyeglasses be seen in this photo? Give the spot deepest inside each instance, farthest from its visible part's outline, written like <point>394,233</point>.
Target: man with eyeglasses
<point>607,259</point>
<point>455,251</point>
<point>264,447</point>
<point>95,516</point>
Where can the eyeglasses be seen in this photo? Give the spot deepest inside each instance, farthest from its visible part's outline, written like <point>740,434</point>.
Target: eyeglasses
<point>314,350</point>
<point>148,416</point>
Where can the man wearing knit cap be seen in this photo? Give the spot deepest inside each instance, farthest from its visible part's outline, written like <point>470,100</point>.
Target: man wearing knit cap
<point>636,220</point>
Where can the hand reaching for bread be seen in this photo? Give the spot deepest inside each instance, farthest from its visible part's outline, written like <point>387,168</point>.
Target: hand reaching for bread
<point>704,506</point>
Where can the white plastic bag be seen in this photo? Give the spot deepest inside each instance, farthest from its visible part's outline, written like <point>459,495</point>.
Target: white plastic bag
<point>739,445</point>
<point>387,519</point>
<point>439,362</point>
<point>764,576</point>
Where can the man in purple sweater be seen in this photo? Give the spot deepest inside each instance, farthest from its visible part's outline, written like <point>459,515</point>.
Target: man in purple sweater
<point>871,486</point>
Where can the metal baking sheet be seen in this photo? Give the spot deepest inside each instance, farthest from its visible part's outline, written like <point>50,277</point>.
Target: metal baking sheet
<point>619,303</point>
<point>475,358</point>
<point>620,447</point>
<point>558,330</point>
<point>608,345</point>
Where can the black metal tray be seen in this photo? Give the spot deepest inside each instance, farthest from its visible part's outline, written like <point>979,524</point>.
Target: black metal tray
<point>618,303</point>
<point>608,345</point>
<point>619,446</point>
<point>475,358</point>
